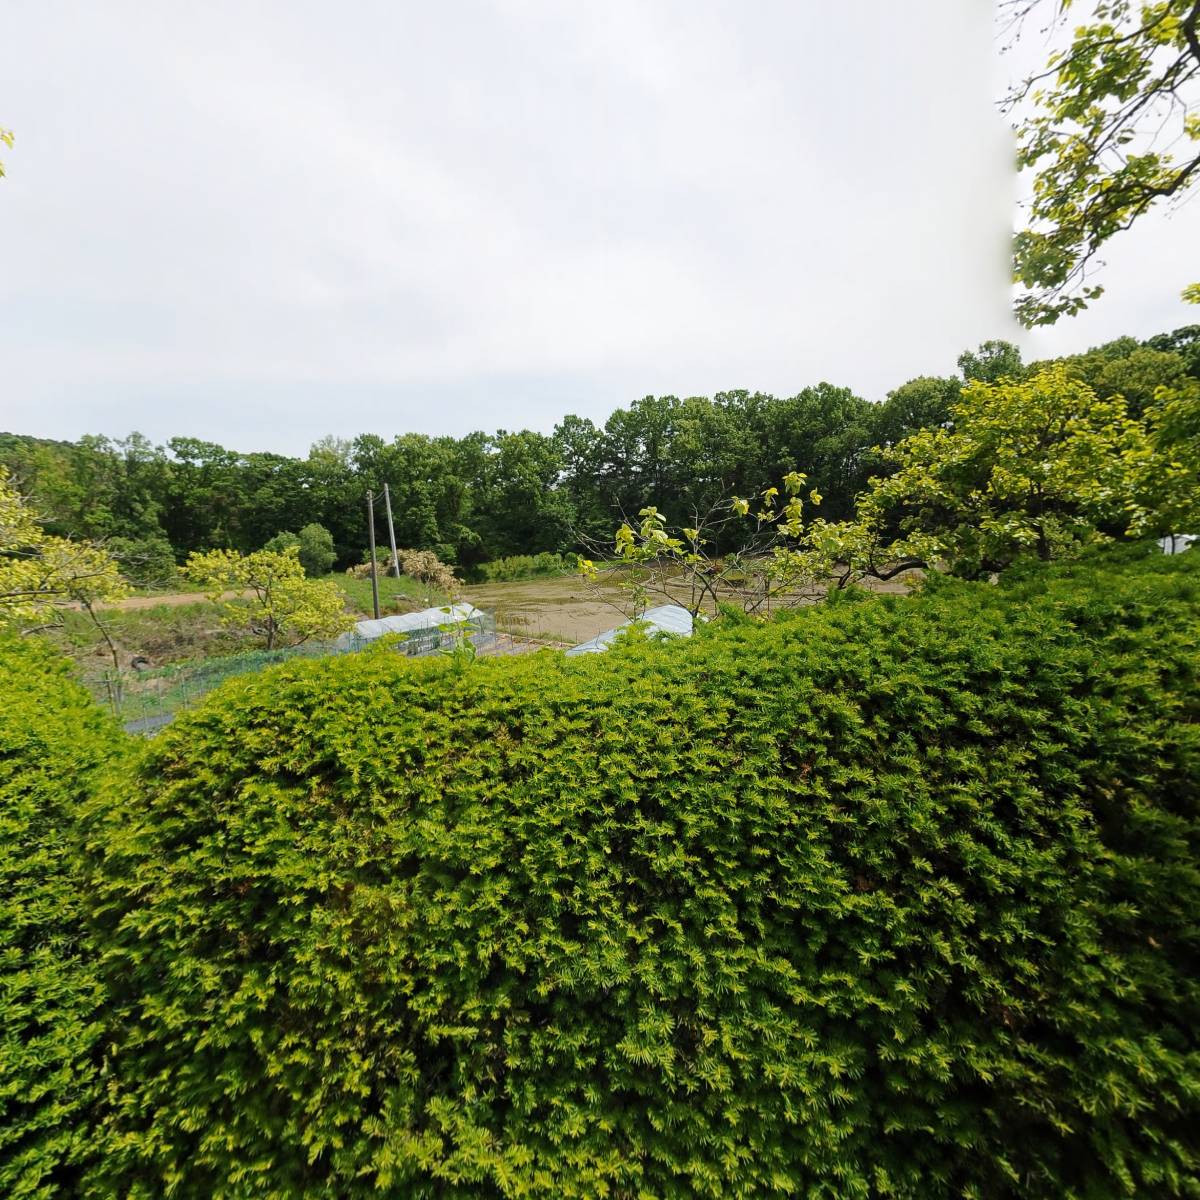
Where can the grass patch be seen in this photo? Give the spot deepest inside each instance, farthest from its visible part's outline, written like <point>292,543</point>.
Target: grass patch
<point>395,595</point>
<point>525,566</point>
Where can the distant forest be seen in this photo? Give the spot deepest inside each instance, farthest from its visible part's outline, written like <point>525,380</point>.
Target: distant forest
<point>484,496</point>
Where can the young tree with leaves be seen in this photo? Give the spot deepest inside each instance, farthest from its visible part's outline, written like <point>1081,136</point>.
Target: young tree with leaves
<point>1109,128</point>
<point>285,607</point>
<point>777,565</point>
<point>40,573</point>
<point>1170,494</point>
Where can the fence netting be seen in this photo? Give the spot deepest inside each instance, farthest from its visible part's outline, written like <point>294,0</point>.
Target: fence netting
<point>145,700</point>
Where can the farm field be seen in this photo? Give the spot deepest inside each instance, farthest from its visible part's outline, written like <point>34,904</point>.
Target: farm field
<point>169,629</point>
<point>565,609</point>
<point>562,609</point>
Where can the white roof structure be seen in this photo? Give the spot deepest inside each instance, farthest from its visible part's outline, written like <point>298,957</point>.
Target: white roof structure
<point>427,618</point>
<point>666,618</point>
<point>1177,543</point>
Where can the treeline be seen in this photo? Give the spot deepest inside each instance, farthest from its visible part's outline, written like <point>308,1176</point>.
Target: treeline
<point>485,496</point>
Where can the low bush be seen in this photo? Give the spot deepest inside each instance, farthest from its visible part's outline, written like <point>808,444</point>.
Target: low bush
<point>525,566</point>
<point>53,741</point>
<point>895,897</point>
<point>315,545</point>
<point>421,565</point>
<point>146,562</point>
<point>425,567</point>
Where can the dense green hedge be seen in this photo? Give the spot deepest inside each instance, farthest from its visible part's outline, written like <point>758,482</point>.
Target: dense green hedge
<point>52,743</point>
<point>892,898</point>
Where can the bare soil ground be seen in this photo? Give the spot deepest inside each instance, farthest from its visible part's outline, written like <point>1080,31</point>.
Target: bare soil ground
<point>560,609</point>
<point>567,610</point>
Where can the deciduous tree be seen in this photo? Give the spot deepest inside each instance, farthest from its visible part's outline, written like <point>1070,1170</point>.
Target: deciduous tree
<point>1109,127</point>
<point>1039,465</point>
<point>284,607</point>
<point>40,573</point>
<point>1170,497</point>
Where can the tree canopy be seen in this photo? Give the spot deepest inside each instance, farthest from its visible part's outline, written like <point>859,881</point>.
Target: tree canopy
<point>271,594</point>
<point>314,544</point>
<point>474,499</point>
<point>1108,128</point>
<point>39,572</point>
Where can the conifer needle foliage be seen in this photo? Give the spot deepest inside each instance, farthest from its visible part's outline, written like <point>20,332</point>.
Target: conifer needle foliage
<point>892,897</point>
<point>53,741</point>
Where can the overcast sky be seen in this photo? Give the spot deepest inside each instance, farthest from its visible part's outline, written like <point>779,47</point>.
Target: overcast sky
<point>259,223</point>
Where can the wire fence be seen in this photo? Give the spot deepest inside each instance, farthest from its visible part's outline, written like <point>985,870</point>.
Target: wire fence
<point>144,701</point>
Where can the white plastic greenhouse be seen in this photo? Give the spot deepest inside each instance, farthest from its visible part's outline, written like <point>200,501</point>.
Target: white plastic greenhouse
<point>425,631</point>
<point>666,618</point>
<point>1177,543</point>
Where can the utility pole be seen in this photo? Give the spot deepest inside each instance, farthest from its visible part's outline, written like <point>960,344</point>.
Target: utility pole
<point>374,565</point>
<point>387,500</point>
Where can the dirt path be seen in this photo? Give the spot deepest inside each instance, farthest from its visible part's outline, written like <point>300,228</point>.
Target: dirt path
<point>169,599</point>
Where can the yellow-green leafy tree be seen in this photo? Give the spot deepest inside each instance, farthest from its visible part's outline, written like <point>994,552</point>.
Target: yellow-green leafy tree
<point>1170,494</point>
<point>1038,466</point>
<point>39,573</point>
<point>1108,128</point>
<point>274,597</point>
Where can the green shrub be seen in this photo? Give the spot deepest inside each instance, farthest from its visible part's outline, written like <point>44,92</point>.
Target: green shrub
<point>315,544</point>
<point>316,550</point>
<point>283,542</point>
<point>526,566</point>
<point>147,562</point>
<point>52,743</point>
<point>894,897</point>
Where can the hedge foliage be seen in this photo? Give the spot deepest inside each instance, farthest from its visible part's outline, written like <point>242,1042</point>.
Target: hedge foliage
<point>896,897</point>
<point>53,743</point>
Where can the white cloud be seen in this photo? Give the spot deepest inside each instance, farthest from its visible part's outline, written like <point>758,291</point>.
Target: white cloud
<point>261,222</point>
